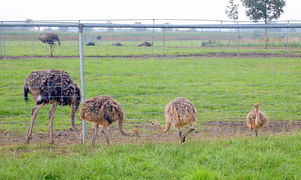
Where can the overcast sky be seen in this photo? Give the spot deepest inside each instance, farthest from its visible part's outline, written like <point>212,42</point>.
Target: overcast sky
<point>127,9</point>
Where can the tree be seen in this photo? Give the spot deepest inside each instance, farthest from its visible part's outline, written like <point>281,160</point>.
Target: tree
<point>232,11</point>
<point>265,10</point>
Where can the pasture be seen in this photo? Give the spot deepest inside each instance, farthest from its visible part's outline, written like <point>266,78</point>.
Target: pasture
<point>223,89</point>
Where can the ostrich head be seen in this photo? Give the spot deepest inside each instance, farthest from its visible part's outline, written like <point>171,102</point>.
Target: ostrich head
<point>256,105</point>
<point>155,123</point>
<point>135,132</point>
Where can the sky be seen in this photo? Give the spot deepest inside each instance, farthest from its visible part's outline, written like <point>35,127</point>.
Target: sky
<point>11,10</point>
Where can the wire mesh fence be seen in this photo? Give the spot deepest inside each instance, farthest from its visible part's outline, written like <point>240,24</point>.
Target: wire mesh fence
<point>148,63</point>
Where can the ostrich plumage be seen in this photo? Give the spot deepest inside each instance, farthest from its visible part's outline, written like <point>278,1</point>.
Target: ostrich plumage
<point>51,39</point>
<point>104,110</point>
<point>179,113</point>
<point>54,87</point>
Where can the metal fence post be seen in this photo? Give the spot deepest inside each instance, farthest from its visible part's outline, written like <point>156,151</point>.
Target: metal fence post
<point>1,55</point>
<point>286,38</point>
<point>238,41</point>
<point>82,75</point>
<point>153,38</point>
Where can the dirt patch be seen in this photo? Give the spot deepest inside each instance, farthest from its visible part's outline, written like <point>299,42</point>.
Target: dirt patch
<point>214,129</point>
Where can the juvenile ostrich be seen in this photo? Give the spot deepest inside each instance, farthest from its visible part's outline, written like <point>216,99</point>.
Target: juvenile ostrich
<point>50,39</point>
<point>54,87</point>
<point>179,112</point>
<point>103,110</point>
<point>256,119</point>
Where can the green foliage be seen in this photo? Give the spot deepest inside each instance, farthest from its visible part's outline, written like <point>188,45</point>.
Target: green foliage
<point>232,10</point>
<point>265,10</point>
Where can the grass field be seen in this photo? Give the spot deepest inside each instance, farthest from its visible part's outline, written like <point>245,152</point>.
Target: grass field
<point>130,48</point>
<point>266,157</point>
<point>221,88</point>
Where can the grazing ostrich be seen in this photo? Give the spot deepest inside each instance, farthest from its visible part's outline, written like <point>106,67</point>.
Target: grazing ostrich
<point>256,119</point>
<point>117,44</point>
<point>90,44</point>
<point>103,110</point>
<point>179,112</point>
<point>98,37</point>
<point>146,44</point>
<point>54,87</point>
<point>50,39</point>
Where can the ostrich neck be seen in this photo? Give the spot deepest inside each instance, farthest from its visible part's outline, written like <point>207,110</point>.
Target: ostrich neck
<point>257,115</point>
<point>162,129</point>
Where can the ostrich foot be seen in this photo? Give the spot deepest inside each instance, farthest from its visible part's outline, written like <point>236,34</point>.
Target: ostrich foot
<point>51,141</point>
<point>27,140</point>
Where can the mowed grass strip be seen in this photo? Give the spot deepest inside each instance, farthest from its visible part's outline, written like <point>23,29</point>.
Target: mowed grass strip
<point>221,88</point>
<point>266,157</point>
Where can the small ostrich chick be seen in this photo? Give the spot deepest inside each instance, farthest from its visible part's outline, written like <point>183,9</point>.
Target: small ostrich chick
<point>256,119</point>
<point>179,113</point>
<point>104,110</point>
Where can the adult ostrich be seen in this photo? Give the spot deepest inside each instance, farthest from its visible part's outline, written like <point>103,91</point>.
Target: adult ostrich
<point>54,87</point>
<point>49,38</point>
<point>179,113</point>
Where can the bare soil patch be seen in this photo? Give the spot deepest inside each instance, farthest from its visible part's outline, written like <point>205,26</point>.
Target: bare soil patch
<point>211,130</point>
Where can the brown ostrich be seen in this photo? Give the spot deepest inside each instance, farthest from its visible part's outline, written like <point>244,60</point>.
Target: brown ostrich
<point>179,112</point>
<point>256,119</point>
<point>54,87</point>
<point>103,110</point>
<point>49,38</point>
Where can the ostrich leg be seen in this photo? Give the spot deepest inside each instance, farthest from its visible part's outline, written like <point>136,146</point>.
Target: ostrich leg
<point>52,46</point>
<point>186,133</point>
<point>72,114</point>
<point>180,134</point>
<point>94,134</point>
<point>51,118</point>
<point>35,112</point>
<point>106,133</point>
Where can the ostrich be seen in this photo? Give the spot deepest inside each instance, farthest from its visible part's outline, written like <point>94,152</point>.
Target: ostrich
<point>179,112</point>
<point>256,119</point>
<point>103,110</point>
<point>146,44</point>
<point>50,39</point>
<point>54,87</point>
<point>117,44</point>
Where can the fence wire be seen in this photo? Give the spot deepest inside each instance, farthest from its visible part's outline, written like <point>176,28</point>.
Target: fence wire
<point>222,71</point>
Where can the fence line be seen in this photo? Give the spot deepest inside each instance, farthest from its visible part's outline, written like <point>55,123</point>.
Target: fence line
<point>216,28</point>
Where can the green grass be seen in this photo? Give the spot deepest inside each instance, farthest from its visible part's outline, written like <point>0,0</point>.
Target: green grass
<point>130,48</point>
<point>25,43</point>
<point>266,157</point>
<point>221,88</point>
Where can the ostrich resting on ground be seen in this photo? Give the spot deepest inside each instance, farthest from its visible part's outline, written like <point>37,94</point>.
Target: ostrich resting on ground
<point>256,119</point>
<point>54,87</point>
<point>50,39</point>
<point>179,112</point>
<point>103,110</point>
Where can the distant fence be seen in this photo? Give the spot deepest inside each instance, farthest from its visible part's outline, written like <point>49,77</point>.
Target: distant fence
<point>94,43</point>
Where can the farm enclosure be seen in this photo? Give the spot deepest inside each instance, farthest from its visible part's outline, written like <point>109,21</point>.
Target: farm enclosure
<point>208,67</point>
